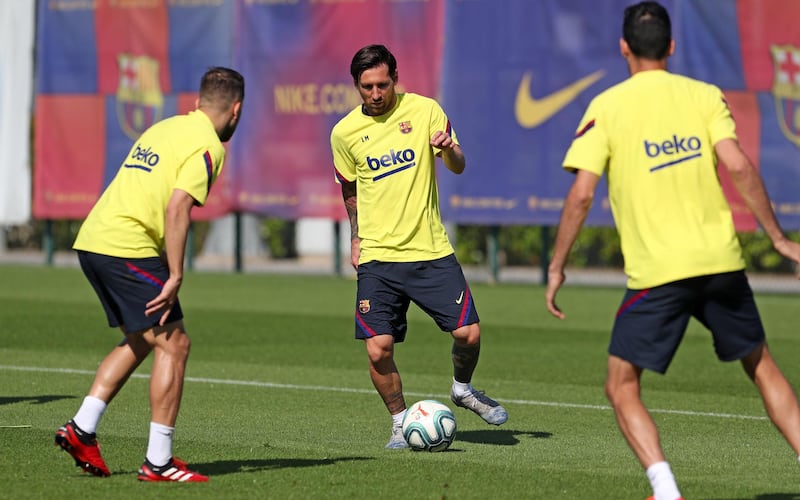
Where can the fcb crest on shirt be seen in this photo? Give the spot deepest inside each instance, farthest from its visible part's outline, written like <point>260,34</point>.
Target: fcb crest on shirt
<point>786,89</point>
<point>405,127</point>
<point>140,101</point>
<point>363,306</point>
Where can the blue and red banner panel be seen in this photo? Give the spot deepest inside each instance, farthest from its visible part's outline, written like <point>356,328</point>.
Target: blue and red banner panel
<point>106,71</point>
<point>296,59</point>
<point>516,92</point>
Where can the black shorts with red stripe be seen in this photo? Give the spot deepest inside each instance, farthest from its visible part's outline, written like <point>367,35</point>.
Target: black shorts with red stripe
<point>651,323</point>
<point>386,289</point>
<point>124,286</point>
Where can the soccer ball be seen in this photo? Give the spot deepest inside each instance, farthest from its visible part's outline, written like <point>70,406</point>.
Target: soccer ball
<point>429,426</point>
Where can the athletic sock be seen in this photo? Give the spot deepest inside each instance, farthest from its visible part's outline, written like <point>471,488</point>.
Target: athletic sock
<point>159,448</point>
<point>89,414</point>
<point>663,482</point>
<point>397,418</point>
<point>461,388</point>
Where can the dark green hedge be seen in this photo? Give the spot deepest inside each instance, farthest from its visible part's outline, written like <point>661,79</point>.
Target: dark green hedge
<point>517,245</point>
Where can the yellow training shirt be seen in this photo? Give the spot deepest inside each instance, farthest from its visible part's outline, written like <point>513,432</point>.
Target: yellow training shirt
<point>654,135</point>
<point>182,152</point>
<point>393,163</point>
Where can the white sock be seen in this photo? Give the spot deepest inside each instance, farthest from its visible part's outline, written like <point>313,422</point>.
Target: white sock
<point>460,388</point>
<point>89,414</point>
<point>159,448</point>
<point>663,482</point>
<point>397,418</point>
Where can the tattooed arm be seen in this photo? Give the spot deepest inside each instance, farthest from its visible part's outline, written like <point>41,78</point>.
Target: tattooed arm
<point>349,195</point>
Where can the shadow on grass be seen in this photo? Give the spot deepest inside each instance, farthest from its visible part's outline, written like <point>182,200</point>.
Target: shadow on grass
<point>773,496</point>
<point>37,400</point>
<point>221,467</point>
<point>502,437</point>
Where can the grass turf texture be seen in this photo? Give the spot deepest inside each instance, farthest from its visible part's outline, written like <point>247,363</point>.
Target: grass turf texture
<point>278,403</point>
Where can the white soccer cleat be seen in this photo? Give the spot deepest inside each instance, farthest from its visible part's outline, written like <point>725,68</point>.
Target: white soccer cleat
<point>397,441</point>
<point>486,407</point>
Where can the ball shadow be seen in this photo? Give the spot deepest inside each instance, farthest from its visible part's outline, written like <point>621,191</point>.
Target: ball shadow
<point>499,437</point>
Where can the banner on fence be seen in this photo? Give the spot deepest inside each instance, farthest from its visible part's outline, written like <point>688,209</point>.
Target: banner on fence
<point>516,93</point>
<point>296,59</point>
<point>513,80</point>
<point>106,71</point>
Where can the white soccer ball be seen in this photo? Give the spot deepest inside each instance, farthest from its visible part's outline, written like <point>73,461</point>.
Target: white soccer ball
<point>429,426</point>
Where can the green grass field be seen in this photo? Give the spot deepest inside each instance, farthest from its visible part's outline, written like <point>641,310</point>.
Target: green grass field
<point>278,402</point>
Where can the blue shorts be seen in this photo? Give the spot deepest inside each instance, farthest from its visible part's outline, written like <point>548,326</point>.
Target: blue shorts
<point>385,290</point>
<point>124,286</point>
<point>650,323</point>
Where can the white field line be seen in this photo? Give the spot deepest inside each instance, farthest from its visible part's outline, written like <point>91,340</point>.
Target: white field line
<point>325,388</point>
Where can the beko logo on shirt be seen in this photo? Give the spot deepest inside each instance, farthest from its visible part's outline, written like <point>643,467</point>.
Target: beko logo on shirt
<point>393,158</point>
<point>676,145</point>
<point>397,160</point>
<point>146,158</point>
<point>678,149</point>
<point>145,155</point>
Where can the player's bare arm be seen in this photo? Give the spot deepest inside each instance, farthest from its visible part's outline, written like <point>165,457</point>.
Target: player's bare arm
<point>451,153</point>
<point>750,186</point>
<point>576,207</point>
<point>176,229</point>
<point>349,194</point>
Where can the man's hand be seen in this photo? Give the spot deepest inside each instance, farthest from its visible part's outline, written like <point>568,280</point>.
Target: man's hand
<point>441,140</point>
<point>573,214</point>
<point>451,153</point>
<point>791,250</point>
<point>355,252</point>
<point>164,301</point>
<point>554,281</point>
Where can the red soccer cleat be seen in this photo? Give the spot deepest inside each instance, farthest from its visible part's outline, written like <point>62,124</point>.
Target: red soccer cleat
<point>175,470</point>
<point>83,448</point>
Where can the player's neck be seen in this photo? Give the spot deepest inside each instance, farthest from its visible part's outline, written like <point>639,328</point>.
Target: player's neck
<point>638,65</point>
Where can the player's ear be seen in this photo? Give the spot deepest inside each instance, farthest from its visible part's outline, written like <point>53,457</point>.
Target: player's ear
<point>237,109</point>
<point>197,103</point>
<point>671,47</point>
<point>624,49</point>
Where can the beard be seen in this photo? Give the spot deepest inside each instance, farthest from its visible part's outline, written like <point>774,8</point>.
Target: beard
<point>226,133</point>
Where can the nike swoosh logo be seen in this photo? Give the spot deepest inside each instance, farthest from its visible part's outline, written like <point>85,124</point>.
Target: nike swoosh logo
<point>533,112</point>
<point>460,297</point>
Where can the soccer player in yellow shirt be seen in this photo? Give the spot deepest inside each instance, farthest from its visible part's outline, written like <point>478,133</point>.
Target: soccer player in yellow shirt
<point>657,136</point>
<point>131,248</point>
<point>384,155</point>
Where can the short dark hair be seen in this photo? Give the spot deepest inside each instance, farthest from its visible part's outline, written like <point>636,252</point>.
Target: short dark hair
<point>221,87</point>
<point>370,57</point>
<point>647,30</point>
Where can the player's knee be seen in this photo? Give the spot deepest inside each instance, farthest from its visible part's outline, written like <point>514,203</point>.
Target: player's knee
<point>468,335</point>
<point>615,394</point>
<point>754,359</point>
<point>182,345</point>
<point>175,343</point>
<point>619,391</point>
<point>379,349</point>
